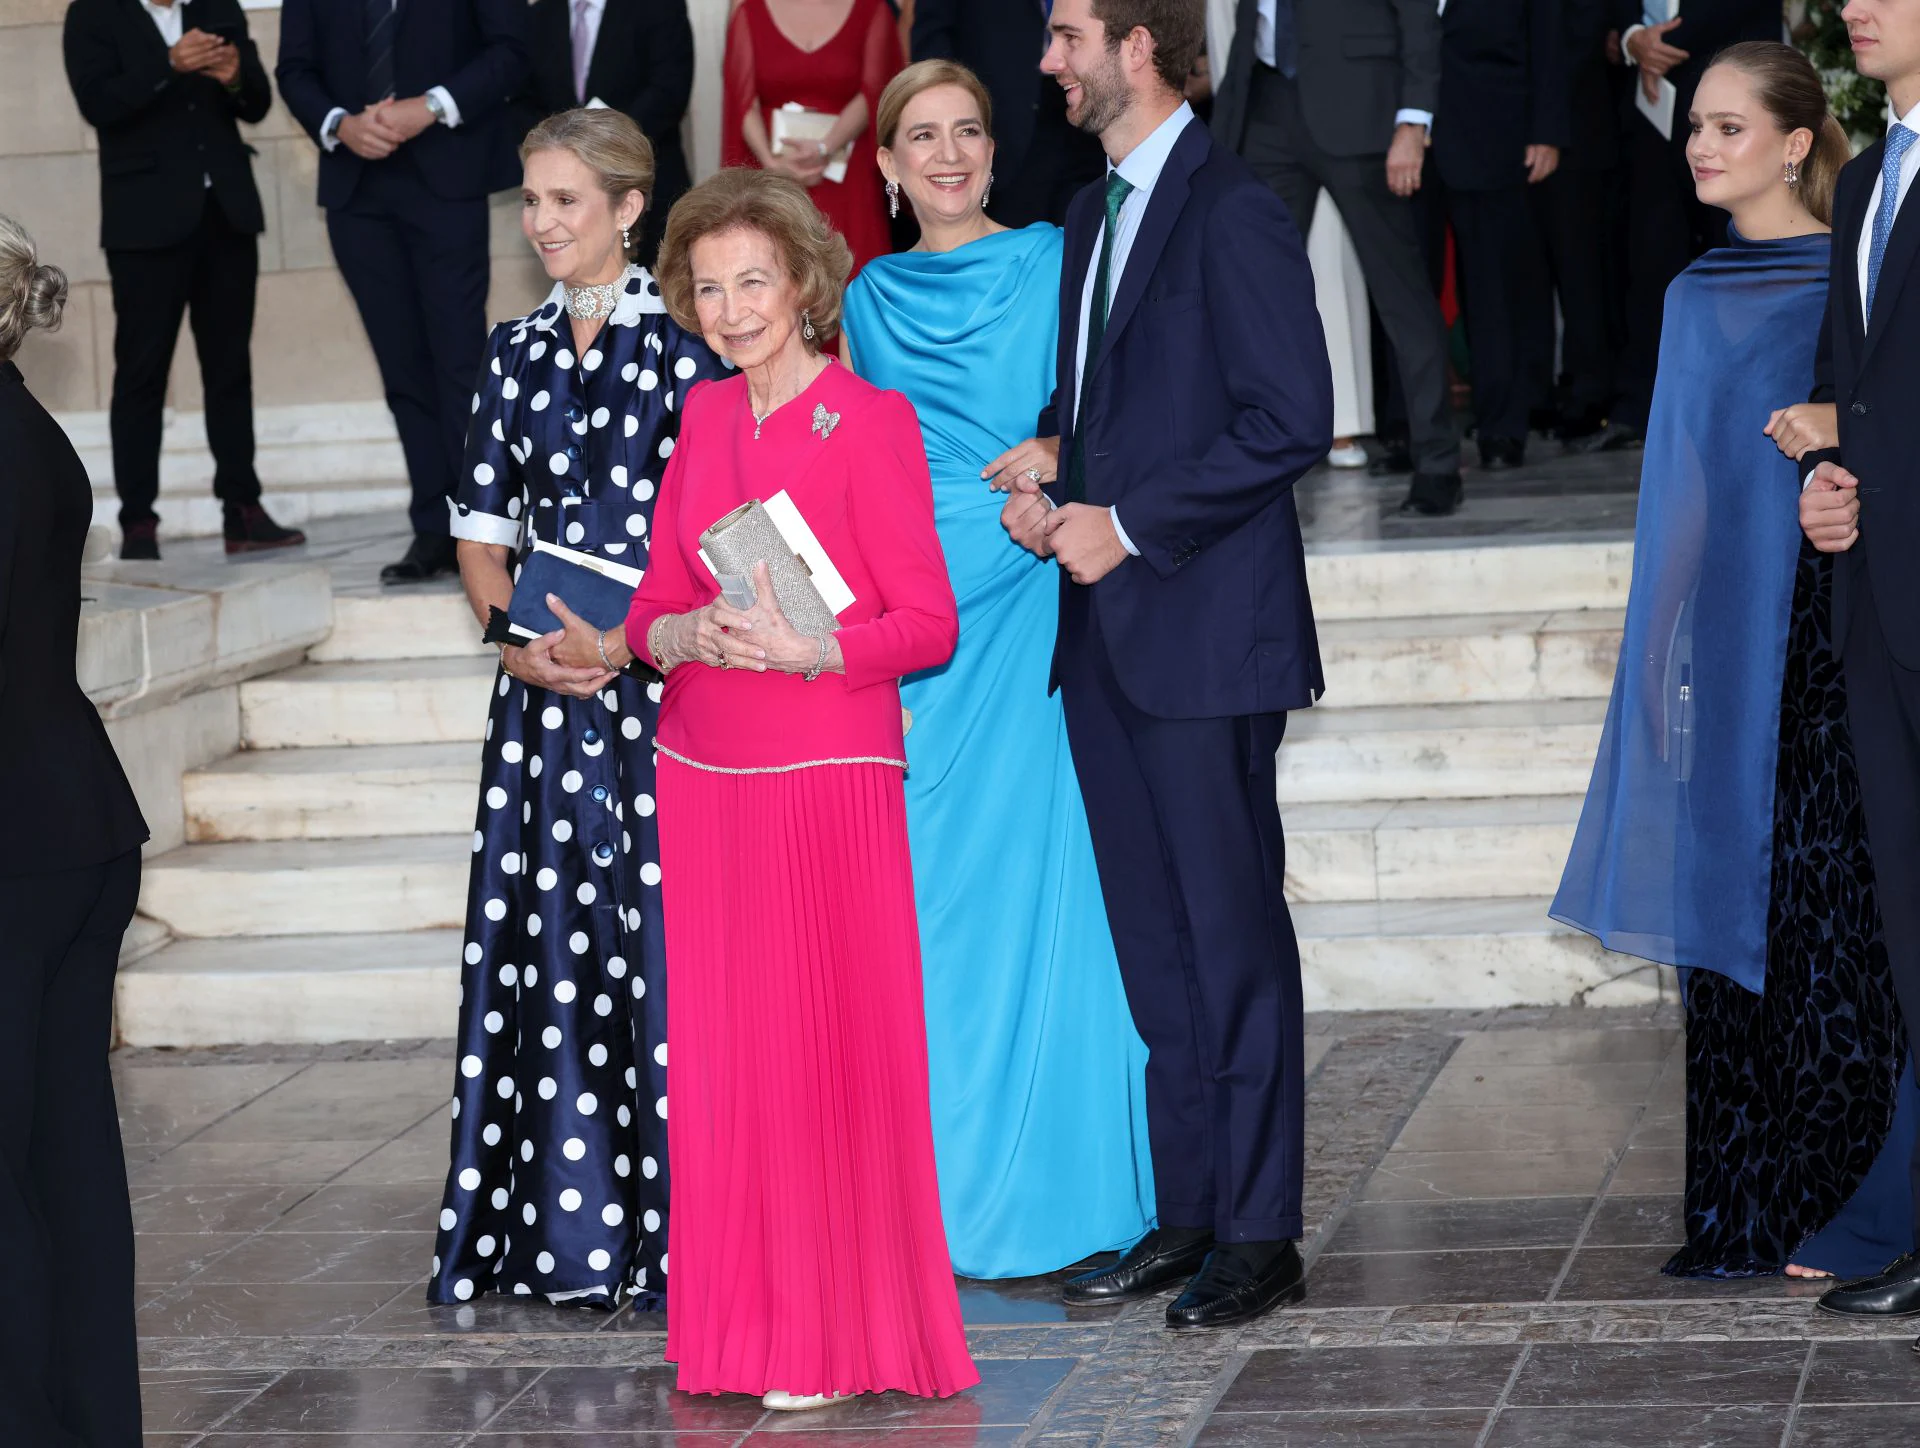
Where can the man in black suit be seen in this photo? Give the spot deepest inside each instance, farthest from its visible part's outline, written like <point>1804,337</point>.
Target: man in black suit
<point>1339,95</point>
<point>165,86</point>
<point>1862,502</point>
<point>1039,159</point>
<point>409,101</point>
<point>633,55</point>
<point>1503,91</point>
<point>1668,226</point>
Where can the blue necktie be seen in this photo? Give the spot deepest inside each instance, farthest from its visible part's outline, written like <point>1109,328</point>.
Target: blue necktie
<point>1898,140</point>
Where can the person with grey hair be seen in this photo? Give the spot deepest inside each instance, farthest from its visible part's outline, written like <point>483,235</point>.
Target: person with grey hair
<point>69,877</point>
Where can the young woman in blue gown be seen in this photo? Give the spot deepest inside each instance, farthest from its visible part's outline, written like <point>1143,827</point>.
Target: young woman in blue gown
<point>1039,1115</point>
<point>1723,830</point>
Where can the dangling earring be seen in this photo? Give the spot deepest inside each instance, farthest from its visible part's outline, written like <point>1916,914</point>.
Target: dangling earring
<point>1793,174</point>
<point>987,194</point>
<point>626,241</point>
<point>893,198</point>
<point>806,326</point>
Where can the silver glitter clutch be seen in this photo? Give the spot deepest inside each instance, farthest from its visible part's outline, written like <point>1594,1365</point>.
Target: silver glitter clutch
<point>748,535</point>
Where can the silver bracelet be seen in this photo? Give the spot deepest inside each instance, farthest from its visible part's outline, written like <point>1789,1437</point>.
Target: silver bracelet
<point>819,663</point>
<point>600,643</point>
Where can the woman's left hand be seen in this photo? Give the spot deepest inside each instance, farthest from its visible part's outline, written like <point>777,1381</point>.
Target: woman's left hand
<point>1805,427</point>
<point>762,638</point>
<point>579,648</point>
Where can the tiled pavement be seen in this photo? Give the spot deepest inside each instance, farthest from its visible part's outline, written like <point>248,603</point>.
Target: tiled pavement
<point>1489,1200</point>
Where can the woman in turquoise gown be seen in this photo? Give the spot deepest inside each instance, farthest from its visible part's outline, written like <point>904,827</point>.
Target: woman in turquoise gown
<point>1039,1111</point>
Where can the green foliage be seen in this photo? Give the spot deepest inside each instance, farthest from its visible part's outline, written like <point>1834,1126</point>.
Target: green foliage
<point>1859,104</point>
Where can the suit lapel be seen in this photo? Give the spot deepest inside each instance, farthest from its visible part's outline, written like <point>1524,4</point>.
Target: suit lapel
<point>1847,275</point>
<point>1903,248</point>
<point>1169,197</point>
<point>608,40</point>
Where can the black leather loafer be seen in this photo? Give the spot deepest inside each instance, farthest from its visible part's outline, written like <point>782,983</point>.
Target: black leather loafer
<point>1894,1293</point>
<point>1434,495</point>
<point>427,557</point>
<point>1236,1286</point>
<point>1154,1263</point>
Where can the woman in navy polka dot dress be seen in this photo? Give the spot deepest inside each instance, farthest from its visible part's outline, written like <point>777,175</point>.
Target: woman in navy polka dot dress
<point>558,1180</point>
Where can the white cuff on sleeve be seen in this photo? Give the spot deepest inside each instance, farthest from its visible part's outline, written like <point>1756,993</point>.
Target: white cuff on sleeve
<point>1121,533</point>
<point>477,527</point>
<point>329,137</point>
<point>1408,116</point>
<point>448,106</point>
<point>1626,35</point>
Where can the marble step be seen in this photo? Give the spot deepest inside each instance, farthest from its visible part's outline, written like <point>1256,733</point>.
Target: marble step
<point>397,701</point>
<point>1429,849</point>
<point>292,989</point>
<point>401,623</point>
<point>310,887</point>
<point>334,793</point>
<point>192,511</point>
<point>1440,751</point>
<point>1461,955</point>
<point>1470,658</point>
<point>1368,581</point>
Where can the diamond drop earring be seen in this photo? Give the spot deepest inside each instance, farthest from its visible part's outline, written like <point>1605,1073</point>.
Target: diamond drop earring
<point>806,321</point>
<point>626,240</point>
<point>893,198</point>
<point>1793,174</point>
<point>987,194</point>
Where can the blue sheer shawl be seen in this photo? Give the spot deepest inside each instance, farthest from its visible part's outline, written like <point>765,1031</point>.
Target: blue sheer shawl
<point>1673,857</point>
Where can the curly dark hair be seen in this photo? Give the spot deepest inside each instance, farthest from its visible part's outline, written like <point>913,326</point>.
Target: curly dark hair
<point>1178,28</point>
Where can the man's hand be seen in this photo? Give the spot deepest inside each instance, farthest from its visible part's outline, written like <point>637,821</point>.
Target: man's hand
<point>1542,162</point>
<point>1405,157</point>
<point>195,51</point>
<point>1830,509</point>
<point>1082,538</point>
<point>1025,517</point>
<point>368,135</point>
<point>1803,428</point>
<point>405,119</point>
<point>1650,51</point>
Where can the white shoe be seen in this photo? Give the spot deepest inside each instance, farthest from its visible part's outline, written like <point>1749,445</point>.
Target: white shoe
<point>780,1401</point>
<point>1350,456</point>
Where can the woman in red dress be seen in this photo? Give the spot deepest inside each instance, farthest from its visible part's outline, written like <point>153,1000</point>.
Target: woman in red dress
<point>809,1260</point>
<point>786,52</point>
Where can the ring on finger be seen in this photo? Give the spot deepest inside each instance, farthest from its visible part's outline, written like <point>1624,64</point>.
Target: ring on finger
<point>1033,475</point>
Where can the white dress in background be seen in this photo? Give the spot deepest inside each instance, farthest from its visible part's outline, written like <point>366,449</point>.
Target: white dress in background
<point>1338,286</point>
<point>700,133</point>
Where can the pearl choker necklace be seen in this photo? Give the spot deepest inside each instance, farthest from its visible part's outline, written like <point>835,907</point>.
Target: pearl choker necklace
<point>590,304</point>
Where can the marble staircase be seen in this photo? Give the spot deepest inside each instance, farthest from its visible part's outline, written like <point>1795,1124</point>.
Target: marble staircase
<point>1429,804</point>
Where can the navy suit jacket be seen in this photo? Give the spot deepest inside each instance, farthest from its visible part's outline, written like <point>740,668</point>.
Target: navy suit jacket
<point>477,49</point>
<point>1210,396</point>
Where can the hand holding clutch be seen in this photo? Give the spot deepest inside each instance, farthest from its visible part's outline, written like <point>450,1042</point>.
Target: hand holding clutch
<point>762,638</point>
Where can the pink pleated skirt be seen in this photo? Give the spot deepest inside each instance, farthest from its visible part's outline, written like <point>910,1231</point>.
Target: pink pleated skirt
<point>806,1250</point>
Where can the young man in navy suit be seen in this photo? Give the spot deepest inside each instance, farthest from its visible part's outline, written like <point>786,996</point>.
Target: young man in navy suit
<point>1862,502</point>
<point>1193,390</point>
<point>408,100</point>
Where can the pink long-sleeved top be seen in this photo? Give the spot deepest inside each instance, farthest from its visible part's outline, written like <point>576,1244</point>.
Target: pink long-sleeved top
<point>851,458</point>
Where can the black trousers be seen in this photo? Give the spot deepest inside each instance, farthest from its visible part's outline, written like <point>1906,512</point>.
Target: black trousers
<point>1186,834</point>
<point>417,267</point>
<point>1501,275</point>
<point>1386,238</point>
<point>1570,211</point>
<point>1667,227</point>
<point>210,278</point>
<point>68,1371</point>
<point>1883,715</point>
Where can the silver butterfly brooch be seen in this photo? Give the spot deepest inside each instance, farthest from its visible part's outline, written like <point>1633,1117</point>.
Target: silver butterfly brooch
<point>824,422</point>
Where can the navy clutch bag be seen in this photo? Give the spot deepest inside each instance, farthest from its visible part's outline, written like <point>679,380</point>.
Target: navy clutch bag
<point>597,589</point>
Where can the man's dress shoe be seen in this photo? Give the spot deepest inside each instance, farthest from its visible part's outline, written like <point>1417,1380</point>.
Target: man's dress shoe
<point>1240,1281</point>
<point>140,543</point>
<point>1613,437</point>
<point>1165,1256</point>
<point>1894,1293</point>
<point>1395,462</point>
<point>428,556</point>
<point>1500,454</point>
<point>249,529</point>
<point>1434,495</point>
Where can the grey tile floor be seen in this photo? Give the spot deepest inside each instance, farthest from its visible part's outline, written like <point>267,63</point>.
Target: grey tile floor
<point>1490,1196</point>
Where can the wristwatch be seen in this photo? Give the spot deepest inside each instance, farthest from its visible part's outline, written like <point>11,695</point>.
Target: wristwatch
<point>433,104</point>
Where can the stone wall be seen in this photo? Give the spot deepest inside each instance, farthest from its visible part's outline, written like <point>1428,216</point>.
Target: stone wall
<point>308,345</point>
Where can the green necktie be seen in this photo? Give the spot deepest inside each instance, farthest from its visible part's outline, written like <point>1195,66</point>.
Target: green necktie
<point>1118,189</point>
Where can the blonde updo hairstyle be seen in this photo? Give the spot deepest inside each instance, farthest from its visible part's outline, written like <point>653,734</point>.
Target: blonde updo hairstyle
<point>923,76</point>
<point>817,260</point>
<point>606,142</point>
<point>1785,82</point>
<point>32,295</point>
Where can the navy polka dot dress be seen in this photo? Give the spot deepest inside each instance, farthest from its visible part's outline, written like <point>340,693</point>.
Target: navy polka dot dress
<point>558,1180</point>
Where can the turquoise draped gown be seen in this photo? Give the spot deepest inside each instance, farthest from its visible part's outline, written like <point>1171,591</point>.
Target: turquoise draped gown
<point>1039,1105</point>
